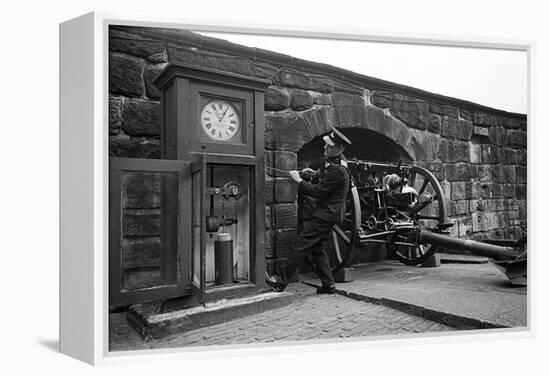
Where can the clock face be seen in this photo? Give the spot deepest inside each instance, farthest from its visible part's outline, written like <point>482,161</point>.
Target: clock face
<point>220,120</point>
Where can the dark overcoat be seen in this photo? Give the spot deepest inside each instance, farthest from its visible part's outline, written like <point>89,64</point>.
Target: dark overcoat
<point>330,192</point>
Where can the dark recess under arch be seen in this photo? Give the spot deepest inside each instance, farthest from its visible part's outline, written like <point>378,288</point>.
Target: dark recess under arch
<point>366,145</point>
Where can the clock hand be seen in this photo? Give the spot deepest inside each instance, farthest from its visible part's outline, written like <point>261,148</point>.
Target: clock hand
<point>223,115</point>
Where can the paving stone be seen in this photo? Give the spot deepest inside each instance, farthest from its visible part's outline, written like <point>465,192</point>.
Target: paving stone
<point>309,317</point>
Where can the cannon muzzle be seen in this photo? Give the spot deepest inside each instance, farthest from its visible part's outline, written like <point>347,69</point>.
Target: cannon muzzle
<point>510,261</point>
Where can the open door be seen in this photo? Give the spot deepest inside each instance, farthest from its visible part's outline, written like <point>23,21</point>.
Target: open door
<point>150,240</point>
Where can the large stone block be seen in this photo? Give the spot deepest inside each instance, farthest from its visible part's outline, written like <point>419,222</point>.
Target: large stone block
<point>490,154</point>
<point>319,120</point>
<point>449,127</point>
<point>481,131</point>
<point>276,99</point>
<point>462,151</point>
<point>499,120</point>
<point>321,98</point>
<point>510,156</point>
<point>486,173</point>
<point>522,208</point>
<point>134,45</point>
<point>160,57</point>
<point>483,119</point>
<point>465,190</point>
<point>486,221</point>
<point>286,131</point>
<point>125,146</point>
<point>458,172</point>
<point>268,218</point>
<point>304,81</point>
<point>285,190</point>
<point>475,153</point>
<point>300,100</point>
<point>509,205</point>
<point>523,125</point>
<point>436,168</point>
<point>450,208</point>
<point>458,191</point>
<point>380,121</point>
<point>141,117</point>
<point>228,63</point>
<point>382,98</point>
<point>440,109</point>
<point>522,157</point>
<point>262,70</point>
<point>425,145</point>
<point>474,190</point>
<point>512,123</point>
<point>269,189</point>
<point>477,222</point>
<point>521,174</point>
<point>412,111</point>
<point>284,242</point>
<point>509,174</point>
<point>126,75</point>
<point>280,160</point>
<point>446,152</point>
<point>446,186</point>
<point>491,191</point>
<point>434,124</point>
<point>476,205</point>
<point>521,192</point>
<point>285,215</point>
<point>517,139</point>
<point>509,191</point>
<point>349,110</point>
<point>269,244</point>
<point>497,135</point>
<point>464,129</point>
<point>462,207</point>
<point>464,225</point>
<point>150,75</point>
<point>465,114</point>
<point>115,114</point>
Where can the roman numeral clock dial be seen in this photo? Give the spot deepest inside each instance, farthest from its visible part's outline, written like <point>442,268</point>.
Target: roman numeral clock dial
<point>220,120</point>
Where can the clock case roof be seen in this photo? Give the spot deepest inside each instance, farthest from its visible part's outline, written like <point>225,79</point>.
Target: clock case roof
<point>196,72</point>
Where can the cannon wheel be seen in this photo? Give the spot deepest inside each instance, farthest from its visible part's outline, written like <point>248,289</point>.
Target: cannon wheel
<point>344,240</point>
<point>429,216</point>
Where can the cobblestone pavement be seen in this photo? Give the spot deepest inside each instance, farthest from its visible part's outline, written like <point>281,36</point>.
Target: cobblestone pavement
<point>310,316</point>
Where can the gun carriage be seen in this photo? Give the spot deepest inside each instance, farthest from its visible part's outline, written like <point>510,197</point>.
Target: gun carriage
<point>410,220</point>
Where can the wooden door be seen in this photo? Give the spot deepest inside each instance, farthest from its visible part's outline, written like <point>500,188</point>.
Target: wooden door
<point>149,230</point>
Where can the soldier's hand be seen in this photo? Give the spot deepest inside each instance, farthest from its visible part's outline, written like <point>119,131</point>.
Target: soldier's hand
<point>295,175</point>
<point>307,174</point>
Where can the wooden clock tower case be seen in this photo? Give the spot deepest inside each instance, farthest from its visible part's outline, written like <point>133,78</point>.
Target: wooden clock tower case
<point>215,120</point>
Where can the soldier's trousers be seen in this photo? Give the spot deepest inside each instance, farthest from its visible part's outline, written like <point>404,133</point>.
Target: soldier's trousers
<point>313,244</point>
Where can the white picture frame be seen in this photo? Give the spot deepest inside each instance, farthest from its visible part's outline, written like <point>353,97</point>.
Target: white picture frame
<point>84,174</point>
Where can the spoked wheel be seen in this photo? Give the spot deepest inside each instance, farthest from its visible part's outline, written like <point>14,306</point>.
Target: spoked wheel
<point>344,238</point>
<point>428,213</point>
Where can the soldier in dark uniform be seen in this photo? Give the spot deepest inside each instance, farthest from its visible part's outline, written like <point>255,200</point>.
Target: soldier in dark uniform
<point>329,187</point>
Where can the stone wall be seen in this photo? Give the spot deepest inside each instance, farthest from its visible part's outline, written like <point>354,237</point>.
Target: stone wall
<point>479,154</point>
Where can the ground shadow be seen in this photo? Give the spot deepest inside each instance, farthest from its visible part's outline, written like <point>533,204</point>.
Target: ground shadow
<point>53,345</point>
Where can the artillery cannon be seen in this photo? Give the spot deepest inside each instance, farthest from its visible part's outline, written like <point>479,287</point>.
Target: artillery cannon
<point>411,220</point>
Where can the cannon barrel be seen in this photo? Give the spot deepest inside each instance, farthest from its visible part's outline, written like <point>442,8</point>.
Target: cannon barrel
<point>478,248</point>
